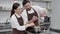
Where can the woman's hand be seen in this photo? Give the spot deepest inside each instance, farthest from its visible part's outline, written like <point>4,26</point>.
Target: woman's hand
<point>29,25</point>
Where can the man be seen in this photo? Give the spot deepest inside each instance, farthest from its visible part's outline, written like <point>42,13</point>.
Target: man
<point>30,11</point>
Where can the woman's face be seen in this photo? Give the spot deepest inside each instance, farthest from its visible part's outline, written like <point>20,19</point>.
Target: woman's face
<point>18,10</point>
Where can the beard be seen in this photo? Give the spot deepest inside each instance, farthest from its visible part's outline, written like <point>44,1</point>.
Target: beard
<point>28,9</point>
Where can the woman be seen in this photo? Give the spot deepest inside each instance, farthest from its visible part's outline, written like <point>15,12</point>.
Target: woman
<point>17,21</point>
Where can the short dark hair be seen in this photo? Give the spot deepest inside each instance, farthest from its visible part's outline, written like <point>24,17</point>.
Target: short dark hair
<point>25,1</point>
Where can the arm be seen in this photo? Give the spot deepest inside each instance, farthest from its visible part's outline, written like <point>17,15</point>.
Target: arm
<point>40,9</point>
<point>15,24</point>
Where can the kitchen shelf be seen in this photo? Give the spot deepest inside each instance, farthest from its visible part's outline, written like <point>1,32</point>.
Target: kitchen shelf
<point>5,10</point>
<point>46,1</point>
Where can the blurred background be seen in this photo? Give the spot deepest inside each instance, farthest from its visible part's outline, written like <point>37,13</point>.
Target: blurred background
<point>52,6</point>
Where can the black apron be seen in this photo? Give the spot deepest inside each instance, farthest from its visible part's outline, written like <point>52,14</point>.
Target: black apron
<point>30,16</point>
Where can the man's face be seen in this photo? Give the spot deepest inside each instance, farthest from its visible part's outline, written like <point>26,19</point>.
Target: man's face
<point>27,6</point>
